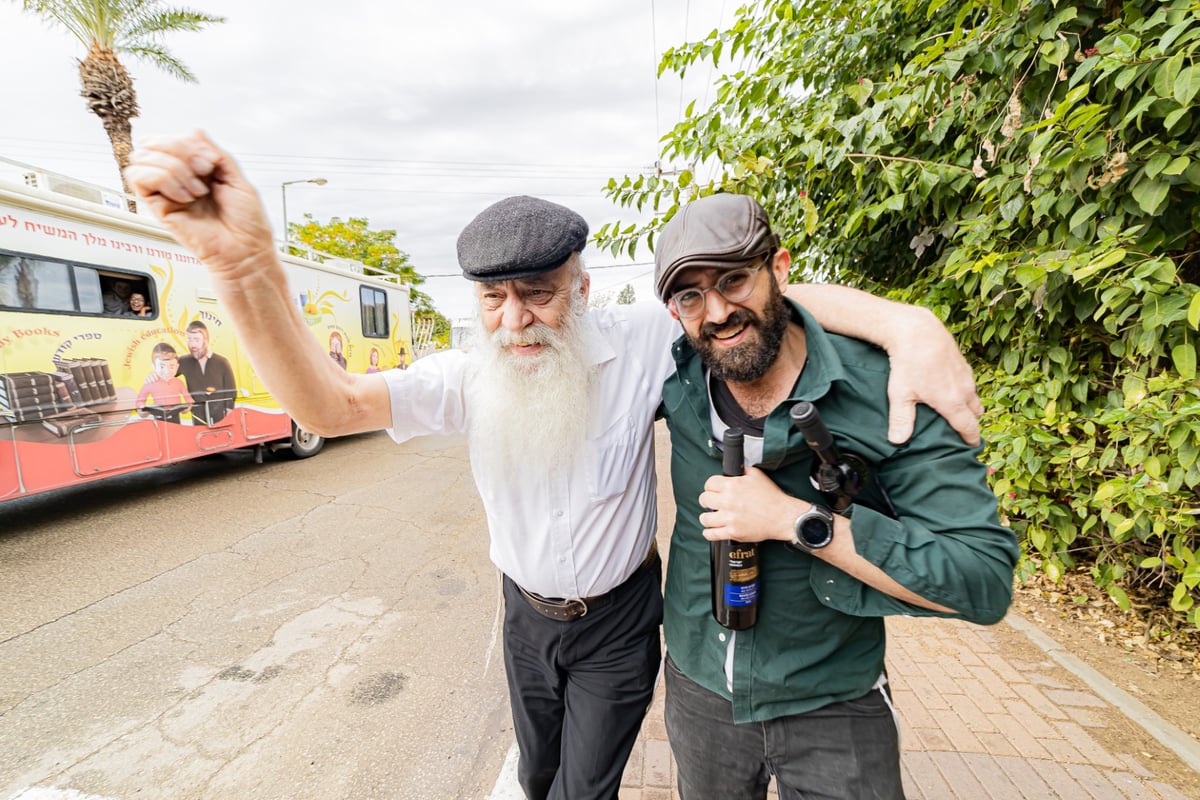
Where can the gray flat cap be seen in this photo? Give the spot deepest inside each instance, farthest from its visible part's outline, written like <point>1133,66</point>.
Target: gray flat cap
<point>722,230</point>
<point>519,237</point>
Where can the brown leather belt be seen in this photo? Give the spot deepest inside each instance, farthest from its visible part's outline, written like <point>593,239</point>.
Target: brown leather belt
<point>567,609</point>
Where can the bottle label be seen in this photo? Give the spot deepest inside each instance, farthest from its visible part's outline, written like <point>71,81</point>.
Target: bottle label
<point>741,594</point>
<point>743,574</point>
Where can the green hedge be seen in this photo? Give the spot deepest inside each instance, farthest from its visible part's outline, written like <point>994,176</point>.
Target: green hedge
<point>1029,170</point>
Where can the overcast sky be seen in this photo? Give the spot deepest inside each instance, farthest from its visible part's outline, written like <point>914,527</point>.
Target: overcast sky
<point>419,115</point>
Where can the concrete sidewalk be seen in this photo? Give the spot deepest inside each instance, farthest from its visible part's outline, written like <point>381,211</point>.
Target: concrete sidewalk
<point>990,714</point>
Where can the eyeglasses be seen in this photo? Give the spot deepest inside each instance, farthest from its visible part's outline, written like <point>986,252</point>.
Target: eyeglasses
<point>735,286</point>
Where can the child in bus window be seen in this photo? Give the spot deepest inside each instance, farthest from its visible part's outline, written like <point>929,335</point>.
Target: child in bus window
<point>138,307</point>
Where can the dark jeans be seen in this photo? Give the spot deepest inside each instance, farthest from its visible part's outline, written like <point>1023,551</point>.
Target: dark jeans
<point>580,689</point>
<point>844,751</point>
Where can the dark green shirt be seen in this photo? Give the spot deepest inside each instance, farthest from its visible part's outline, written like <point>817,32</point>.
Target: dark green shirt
<point>819,638</point>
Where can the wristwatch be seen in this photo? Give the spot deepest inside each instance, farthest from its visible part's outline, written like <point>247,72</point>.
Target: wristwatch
<point>813,529</point>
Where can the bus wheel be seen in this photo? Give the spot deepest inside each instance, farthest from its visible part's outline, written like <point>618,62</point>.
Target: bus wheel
<point>305,444</point>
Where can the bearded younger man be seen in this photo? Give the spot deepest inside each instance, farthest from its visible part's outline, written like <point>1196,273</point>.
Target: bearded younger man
<point>802,694</point>
<point>558,403</point>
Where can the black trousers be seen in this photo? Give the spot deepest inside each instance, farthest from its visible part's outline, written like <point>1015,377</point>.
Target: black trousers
<point>580,689</point>
<point>844,751</point>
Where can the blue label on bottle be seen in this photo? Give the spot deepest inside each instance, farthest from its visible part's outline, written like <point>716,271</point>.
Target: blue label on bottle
<point>741,594</point>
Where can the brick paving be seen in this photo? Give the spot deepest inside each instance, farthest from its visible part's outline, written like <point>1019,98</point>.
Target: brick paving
<point>979,721</point>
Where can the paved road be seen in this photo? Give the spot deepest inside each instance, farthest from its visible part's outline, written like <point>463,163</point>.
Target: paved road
<point>329,629</point>
<point>317,629</point>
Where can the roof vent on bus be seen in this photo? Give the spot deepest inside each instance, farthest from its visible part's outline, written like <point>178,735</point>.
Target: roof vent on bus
<point>76,189</point>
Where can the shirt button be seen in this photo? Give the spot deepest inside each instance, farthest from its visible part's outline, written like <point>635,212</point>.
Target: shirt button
<point>558,513</point>
<point>721,636</point>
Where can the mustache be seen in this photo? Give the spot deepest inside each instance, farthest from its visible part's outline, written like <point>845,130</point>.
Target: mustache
<point>734,320</point>
<point>538,333</point>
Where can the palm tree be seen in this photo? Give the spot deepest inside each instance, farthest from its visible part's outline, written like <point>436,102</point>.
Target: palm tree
<point>109,27</point>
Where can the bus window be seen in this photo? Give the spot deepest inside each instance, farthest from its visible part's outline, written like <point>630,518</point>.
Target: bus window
<point>39,284</point>
<point>87,285</point>
<point>116,290</point>
<point>35,284</point>
<point>374,312</point>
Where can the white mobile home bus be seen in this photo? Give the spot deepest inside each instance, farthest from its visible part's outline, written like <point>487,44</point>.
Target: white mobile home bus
<point>90,390</point>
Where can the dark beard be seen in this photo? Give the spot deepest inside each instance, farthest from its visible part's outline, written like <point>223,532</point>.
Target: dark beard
<point>747,362</point>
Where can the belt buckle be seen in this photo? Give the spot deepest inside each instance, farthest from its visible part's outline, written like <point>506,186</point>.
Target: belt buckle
<point>575,602</point>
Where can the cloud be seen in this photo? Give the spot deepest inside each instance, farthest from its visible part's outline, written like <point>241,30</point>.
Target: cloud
<point>418,114</point>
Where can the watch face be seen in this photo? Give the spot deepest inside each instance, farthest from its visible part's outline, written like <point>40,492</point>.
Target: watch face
<point>814,531</point>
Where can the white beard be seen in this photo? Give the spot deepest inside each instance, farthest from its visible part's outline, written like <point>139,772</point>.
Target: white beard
<point>529,415</point>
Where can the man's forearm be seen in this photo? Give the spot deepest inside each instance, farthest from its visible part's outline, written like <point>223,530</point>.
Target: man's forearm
<point>308,384</point>
<point>858,314</point>
<point>842,554</point>
<point>926,364</point>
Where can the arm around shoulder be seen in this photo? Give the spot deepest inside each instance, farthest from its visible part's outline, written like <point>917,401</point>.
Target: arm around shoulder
<point>927,366</point>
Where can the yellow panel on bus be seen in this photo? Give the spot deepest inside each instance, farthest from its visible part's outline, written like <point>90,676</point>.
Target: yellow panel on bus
<point>116,355</point>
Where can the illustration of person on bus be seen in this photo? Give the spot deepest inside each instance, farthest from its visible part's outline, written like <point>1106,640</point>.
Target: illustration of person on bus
<point>374,358</point>
<point>336,348</point>
<point>209,377</point>
<point>163,396</point>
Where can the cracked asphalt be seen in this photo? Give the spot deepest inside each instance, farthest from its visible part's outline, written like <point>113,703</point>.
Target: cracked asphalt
<point>324,628</point>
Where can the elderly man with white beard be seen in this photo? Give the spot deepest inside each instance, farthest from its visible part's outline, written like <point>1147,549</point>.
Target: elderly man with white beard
<point>558,403</point>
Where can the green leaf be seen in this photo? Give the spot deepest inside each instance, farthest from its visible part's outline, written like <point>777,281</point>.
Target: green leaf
<point>1156,163</point>
<point>1164,77</point>
<point>1151,195</point>
<point>1180,599</point>
<point>1184,357</point>
<point>1125,45</point>
<point>1053,569</point>
<point>1178,166</point>
<point>1100,263</point>
<point>860,92</point>
<point>1153,466</point>
<point>1029,275</point>
<point>811,218</point>
<point>1193,314</point>
<point>1083,214</point>
<point>1119,597</point>
<point>1172,119</point>
<point>1187,84</point>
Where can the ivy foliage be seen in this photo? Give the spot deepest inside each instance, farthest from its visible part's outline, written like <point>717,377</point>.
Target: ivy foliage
<point>1030,170</point>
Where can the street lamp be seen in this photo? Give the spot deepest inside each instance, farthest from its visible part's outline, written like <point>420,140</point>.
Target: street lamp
<point>283,188</point>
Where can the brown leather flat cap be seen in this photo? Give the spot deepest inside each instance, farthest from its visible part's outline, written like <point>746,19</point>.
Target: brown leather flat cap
<point>722,230</point>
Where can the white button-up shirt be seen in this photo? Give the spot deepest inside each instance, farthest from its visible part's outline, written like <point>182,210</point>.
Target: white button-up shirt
<point>583,531</point>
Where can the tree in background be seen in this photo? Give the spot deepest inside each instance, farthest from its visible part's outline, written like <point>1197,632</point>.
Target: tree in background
<point>626,296</point>
<point>1030,171</point>
<point>111,27</point>
<point>354,239</point>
